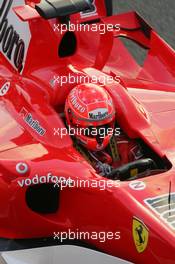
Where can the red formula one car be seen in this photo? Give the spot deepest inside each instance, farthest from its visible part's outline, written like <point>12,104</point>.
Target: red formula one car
<point>34,55</point>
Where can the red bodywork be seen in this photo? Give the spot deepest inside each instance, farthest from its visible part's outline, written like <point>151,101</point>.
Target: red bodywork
<point>145,106</point>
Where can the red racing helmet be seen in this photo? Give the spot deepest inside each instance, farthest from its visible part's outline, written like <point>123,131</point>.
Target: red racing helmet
<point>90,115</point>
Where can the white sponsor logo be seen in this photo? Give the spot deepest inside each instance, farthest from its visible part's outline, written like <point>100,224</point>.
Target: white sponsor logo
<point>49,178</point>
<point>4,89</point>
<point>137,185</point>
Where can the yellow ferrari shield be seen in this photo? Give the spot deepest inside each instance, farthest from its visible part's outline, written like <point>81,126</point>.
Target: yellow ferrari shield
<point>140,235</point>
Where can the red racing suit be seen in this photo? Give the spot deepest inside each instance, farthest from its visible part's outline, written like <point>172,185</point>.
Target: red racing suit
<point>126,151</point>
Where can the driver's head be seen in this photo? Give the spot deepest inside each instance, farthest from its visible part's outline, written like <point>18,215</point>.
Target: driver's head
<point>90,113</point>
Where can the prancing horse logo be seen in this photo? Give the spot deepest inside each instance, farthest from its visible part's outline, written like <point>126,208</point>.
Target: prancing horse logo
<point>140,235</point>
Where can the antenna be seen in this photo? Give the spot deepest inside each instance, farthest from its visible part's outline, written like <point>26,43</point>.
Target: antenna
<point>169,199</point>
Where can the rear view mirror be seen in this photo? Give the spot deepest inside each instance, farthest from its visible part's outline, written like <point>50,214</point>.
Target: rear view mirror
<point>61,8</point>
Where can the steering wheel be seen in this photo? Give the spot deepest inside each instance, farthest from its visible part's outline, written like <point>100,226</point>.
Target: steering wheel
<point>132,169</point>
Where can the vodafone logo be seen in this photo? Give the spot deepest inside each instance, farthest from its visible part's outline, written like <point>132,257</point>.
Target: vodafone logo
<point>22,168</point>
<point>14,34</point>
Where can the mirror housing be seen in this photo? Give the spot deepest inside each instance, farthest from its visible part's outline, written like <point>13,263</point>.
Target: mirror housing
<point>61,8</point>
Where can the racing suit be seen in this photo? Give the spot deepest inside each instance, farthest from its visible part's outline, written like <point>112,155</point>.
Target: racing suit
<point>120,151</point>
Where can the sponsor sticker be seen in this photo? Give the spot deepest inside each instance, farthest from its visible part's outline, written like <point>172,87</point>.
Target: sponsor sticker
<point>4,89</point>
<point>30,121</point>
<point>137,185</point>
<point>75,103</point>
<point>140,234</point>
<point>15,35</point>
<point>98,114</point>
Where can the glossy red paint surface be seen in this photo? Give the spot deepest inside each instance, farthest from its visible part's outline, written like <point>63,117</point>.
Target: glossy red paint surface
<point>145,106</point>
